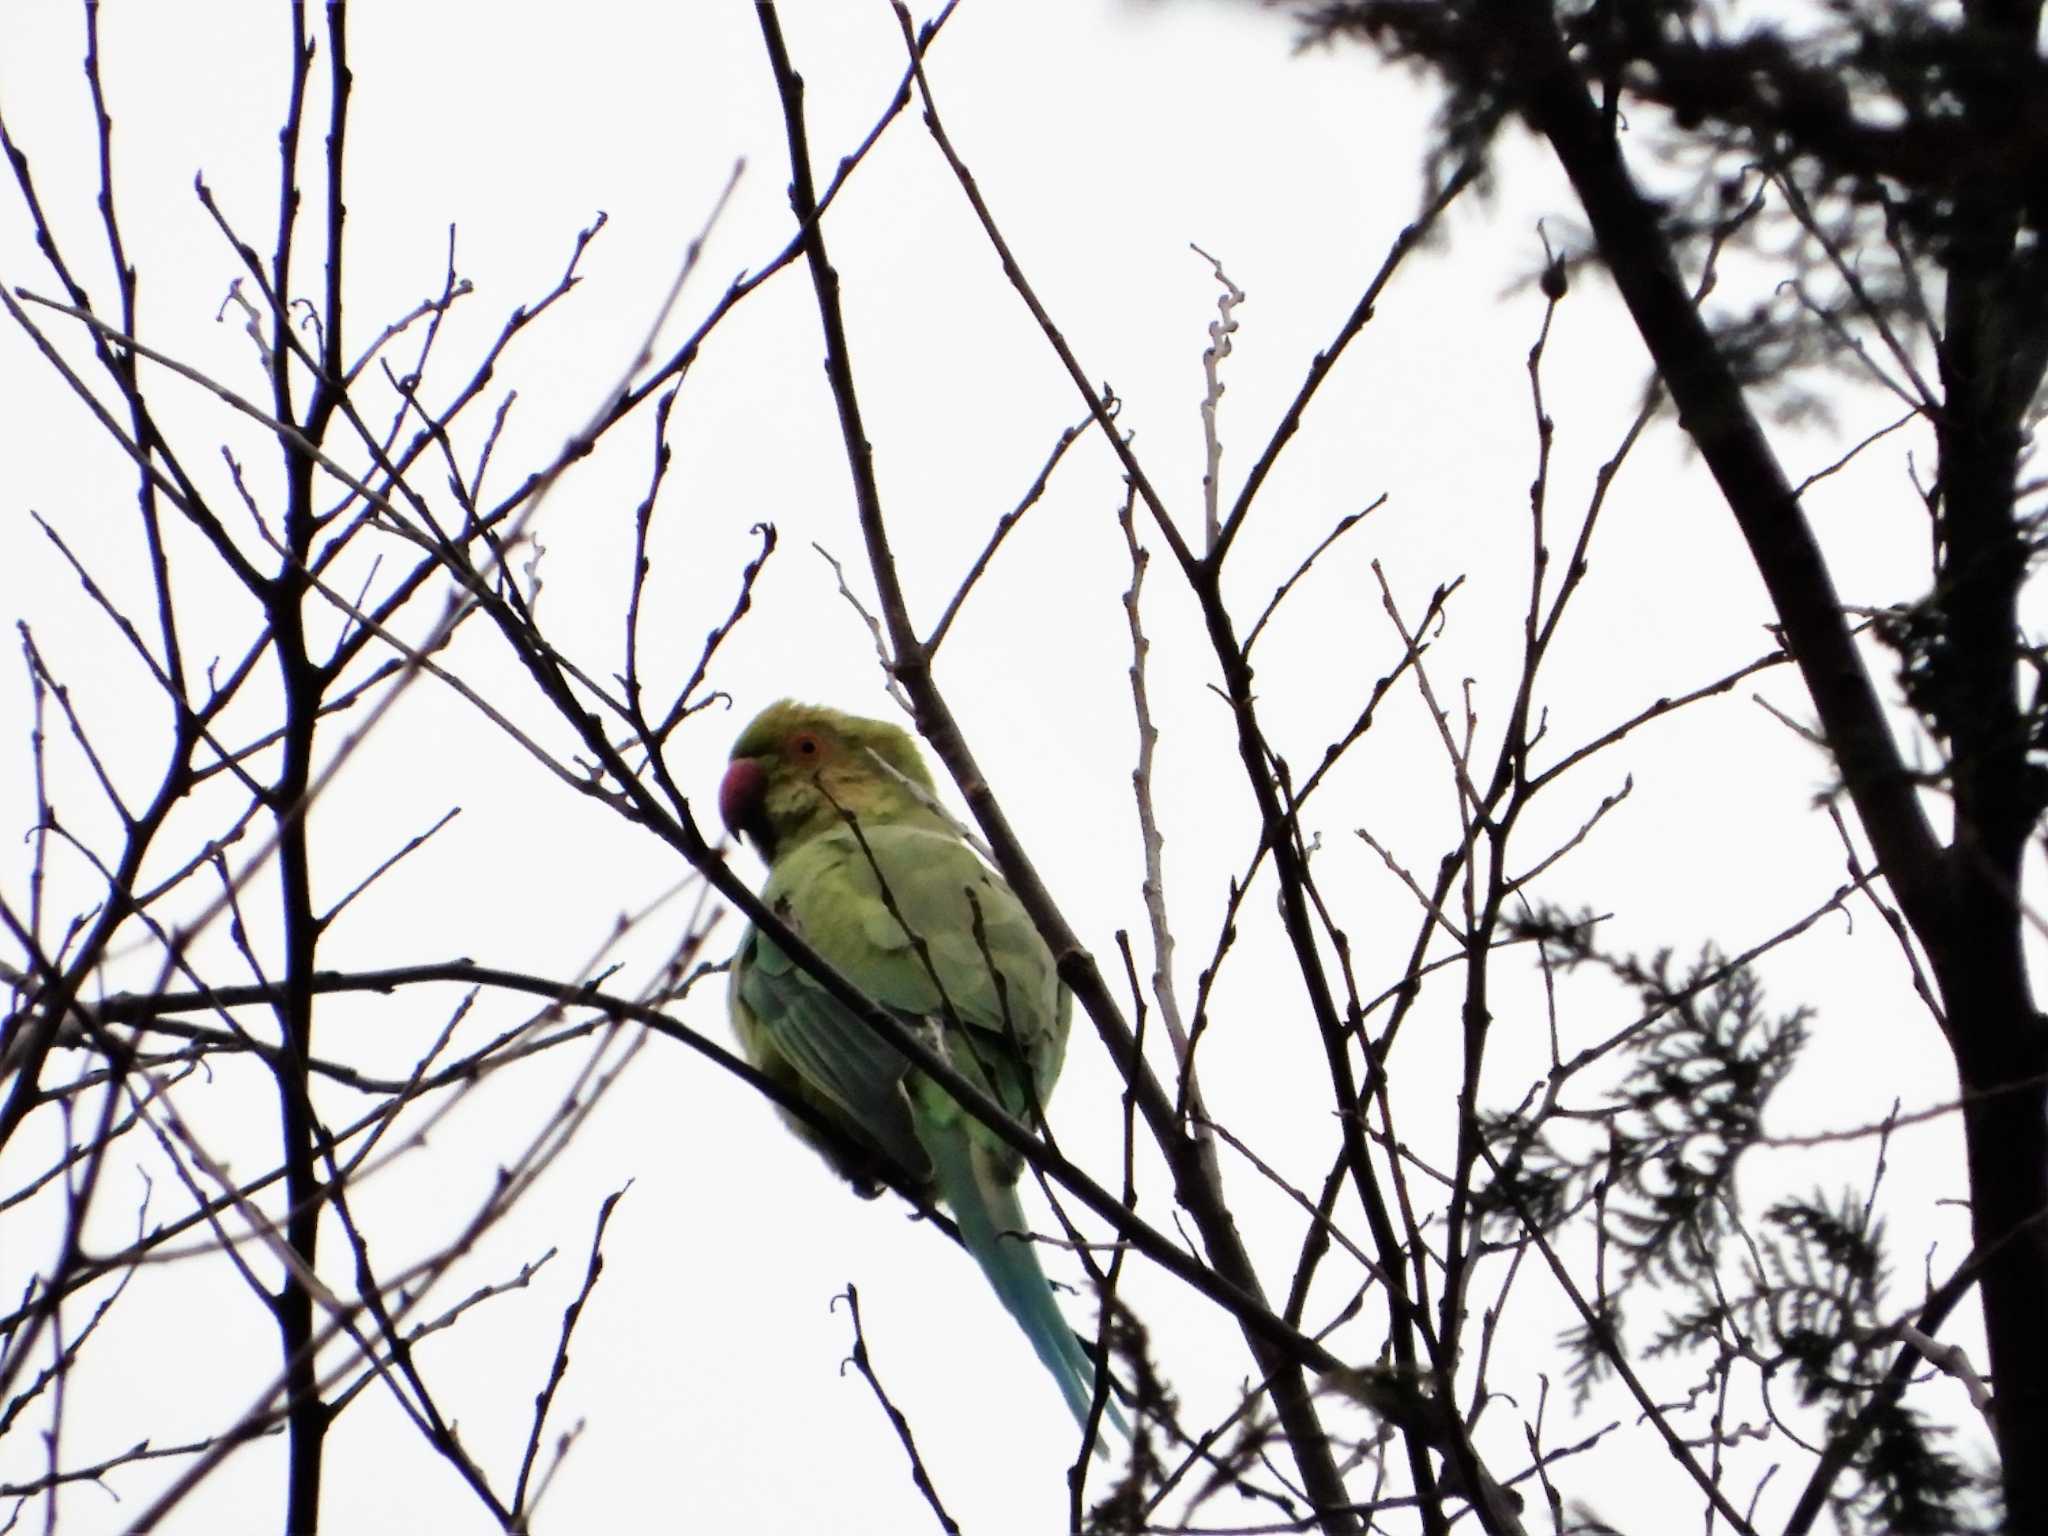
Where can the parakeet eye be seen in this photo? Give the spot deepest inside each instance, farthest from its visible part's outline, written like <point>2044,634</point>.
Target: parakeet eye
<point>805,745</point>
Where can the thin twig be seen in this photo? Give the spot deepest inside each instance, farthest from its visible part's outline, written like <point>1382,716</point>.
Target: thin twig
<point>859,1360</point>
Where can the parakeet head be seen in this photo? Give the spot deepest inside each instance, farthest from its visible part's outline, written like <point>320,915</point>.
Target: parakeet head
<point>800,769</point>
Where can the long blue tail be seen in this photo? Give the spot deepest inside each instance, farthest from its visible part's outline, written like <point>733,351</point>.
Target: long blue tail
<point>987,1209</point>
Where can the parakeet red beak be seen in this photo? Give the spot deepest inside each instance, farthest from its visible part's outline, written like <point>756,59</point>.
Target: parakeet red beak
<point>742,804</point>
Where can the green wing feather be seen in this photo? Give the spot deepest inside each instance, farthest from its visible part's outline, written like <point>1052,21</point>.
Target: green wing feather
<point>913,918</point>
<point>994,997</point>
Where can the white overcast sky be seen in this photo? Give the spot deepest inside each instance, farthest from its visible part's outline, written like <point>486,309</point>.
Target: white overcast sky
<point>1107,138</point>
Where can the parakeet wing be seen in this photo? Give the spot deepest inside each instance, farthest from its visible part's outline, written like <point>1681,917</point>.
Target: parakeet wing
<point>794,1030</point>
<point>975,961</point>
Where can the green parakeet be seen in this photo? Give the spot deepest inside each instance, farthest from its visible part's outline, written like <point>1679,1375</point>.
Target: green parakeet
<point>970,975</point>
